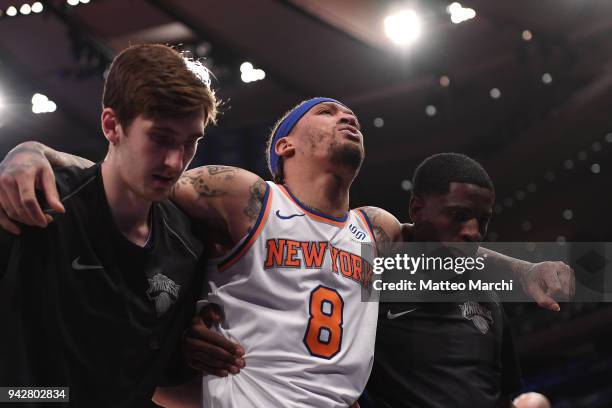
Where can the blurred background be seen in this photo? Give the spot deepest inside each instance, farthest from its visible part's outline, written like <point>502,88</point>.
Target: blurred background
<point>525,87</point>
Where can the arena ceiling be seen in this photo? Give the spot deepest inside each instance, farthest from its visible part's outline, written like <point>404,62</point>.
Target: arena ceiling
<point>540,139</point>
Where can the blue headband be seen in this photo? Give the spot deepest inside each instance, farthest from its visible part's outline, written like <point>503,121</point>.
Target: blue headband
<point>287,125</point>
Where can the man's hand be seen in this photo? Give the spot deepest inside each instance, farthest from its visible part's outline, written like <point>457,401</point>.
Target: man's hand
<point>23,170</point>
<point>547,281</point>
<point>544,281</point>
<point>208,351</point>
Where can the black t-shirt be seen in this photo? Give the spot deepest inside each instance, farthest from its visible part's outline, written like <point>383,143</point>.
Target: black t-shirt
<point>441,355</point>
<point>85,308</point>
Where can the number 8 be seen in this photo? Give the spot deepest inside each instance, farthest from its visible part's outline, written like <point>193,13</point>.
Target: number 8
<point>326,317</point>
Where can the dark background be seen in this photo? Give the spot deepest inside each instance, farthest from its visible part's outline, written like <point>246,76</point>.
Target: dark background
<point>547,146</point>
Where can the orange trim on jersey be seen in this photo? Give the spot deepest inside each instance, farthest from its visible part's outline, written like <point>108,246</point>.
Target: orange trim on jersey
<point>255,231</point>
<point>338,222</point>
<point>366,221</point>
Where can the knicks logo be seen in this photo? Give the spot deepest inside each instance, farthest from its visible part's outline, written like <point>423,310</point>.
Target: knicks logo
<point>359,234</point>
<point>163,291</point>
<point>478,314</point>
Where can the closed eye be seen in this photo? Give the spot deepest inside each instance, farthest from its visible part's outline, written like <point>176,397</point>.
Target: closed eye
<point>160,139</point>
<point>459,215</point>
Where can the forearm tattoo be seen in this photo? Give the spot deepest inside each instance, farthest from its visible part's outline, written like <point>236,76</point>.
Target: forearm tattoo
<point>59,159</point>
<point>7,167</point>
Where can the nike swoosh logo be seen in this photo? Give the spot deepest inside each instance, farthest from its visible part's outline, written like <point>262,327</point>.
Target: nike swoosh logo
<point>78,266</point>
<point>287,217</point>
<point>392,316</point>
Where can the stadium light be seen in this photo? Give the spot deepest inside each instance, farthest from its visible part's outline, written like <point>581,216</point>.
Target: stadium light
<point>403,27</point>
<point>406,185</point>
<point>25,9</point>
<point>42,104</point>
<point>250,74</point>
<point>527,35</point>
<point>459,14</point>
<point>37,7</point>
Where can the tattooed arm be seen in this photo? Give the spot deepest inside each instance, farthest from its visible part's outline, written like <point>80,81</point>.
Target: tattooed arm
<point>224,198</point>
<point>33,150</point>
<point>25,168</point>
<point>386,227</point>
<point>545,282</point>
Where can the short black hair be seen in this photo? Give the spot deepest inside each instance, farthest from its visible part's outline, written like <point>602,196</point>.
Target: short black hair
<point>436,172</point>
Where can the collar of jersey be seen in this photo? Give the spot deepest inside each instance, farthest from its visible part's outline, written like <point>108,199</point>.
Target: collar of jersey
<point>314,214</point>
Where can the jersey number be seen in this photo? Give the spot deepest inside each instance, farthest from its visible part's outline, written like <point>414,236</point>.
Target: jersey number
<point>323,336</point>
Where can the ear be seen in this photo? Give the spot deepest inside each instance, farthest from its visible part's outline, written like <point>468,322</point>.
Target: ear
<point>416,208</point>
<point>284,147</point>
<point>110,126</point>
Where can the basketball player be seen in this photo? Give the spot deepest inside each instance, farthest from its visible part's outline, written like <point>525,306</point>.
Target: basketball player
<point>452,354</point>
<point>98,301</point>
<point>275,270</point>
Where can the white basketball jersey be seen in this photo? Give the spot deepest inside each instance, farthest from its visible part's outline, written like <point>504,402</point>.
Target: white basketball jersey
<point>290,293</point>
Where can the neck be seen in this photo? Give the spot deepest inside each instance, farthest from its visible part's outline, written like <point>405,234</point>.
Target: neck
<point>327,193</point>
<point>130,211</point>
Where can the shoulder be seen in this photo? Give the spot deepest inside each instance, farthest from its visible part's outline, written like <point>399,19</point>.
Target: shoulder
<point>70,180</point>
<point>217,183</point>
<point>385,226</point>
<point>179,227</point>
<point>172,215</point>
<point>225,198</point>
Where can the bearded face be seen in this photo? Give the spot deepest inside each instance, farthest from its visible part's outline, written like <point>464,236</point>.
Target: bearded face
<point>349,155</point>
<point>331,133</point>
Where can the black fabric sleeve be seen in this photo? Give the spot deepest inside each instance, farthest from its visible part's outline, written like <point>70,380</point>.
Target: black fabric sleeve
<point>511,374</point>
<point>177,371</point>
<point>6,246</point>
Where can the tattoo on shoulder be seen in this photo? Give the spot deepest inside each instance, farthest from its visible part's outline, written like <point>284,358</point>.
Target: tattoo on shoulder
<point>256,195</point>
<point>374,214</point>
<point>198,181</point>
<point>227,172</point>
